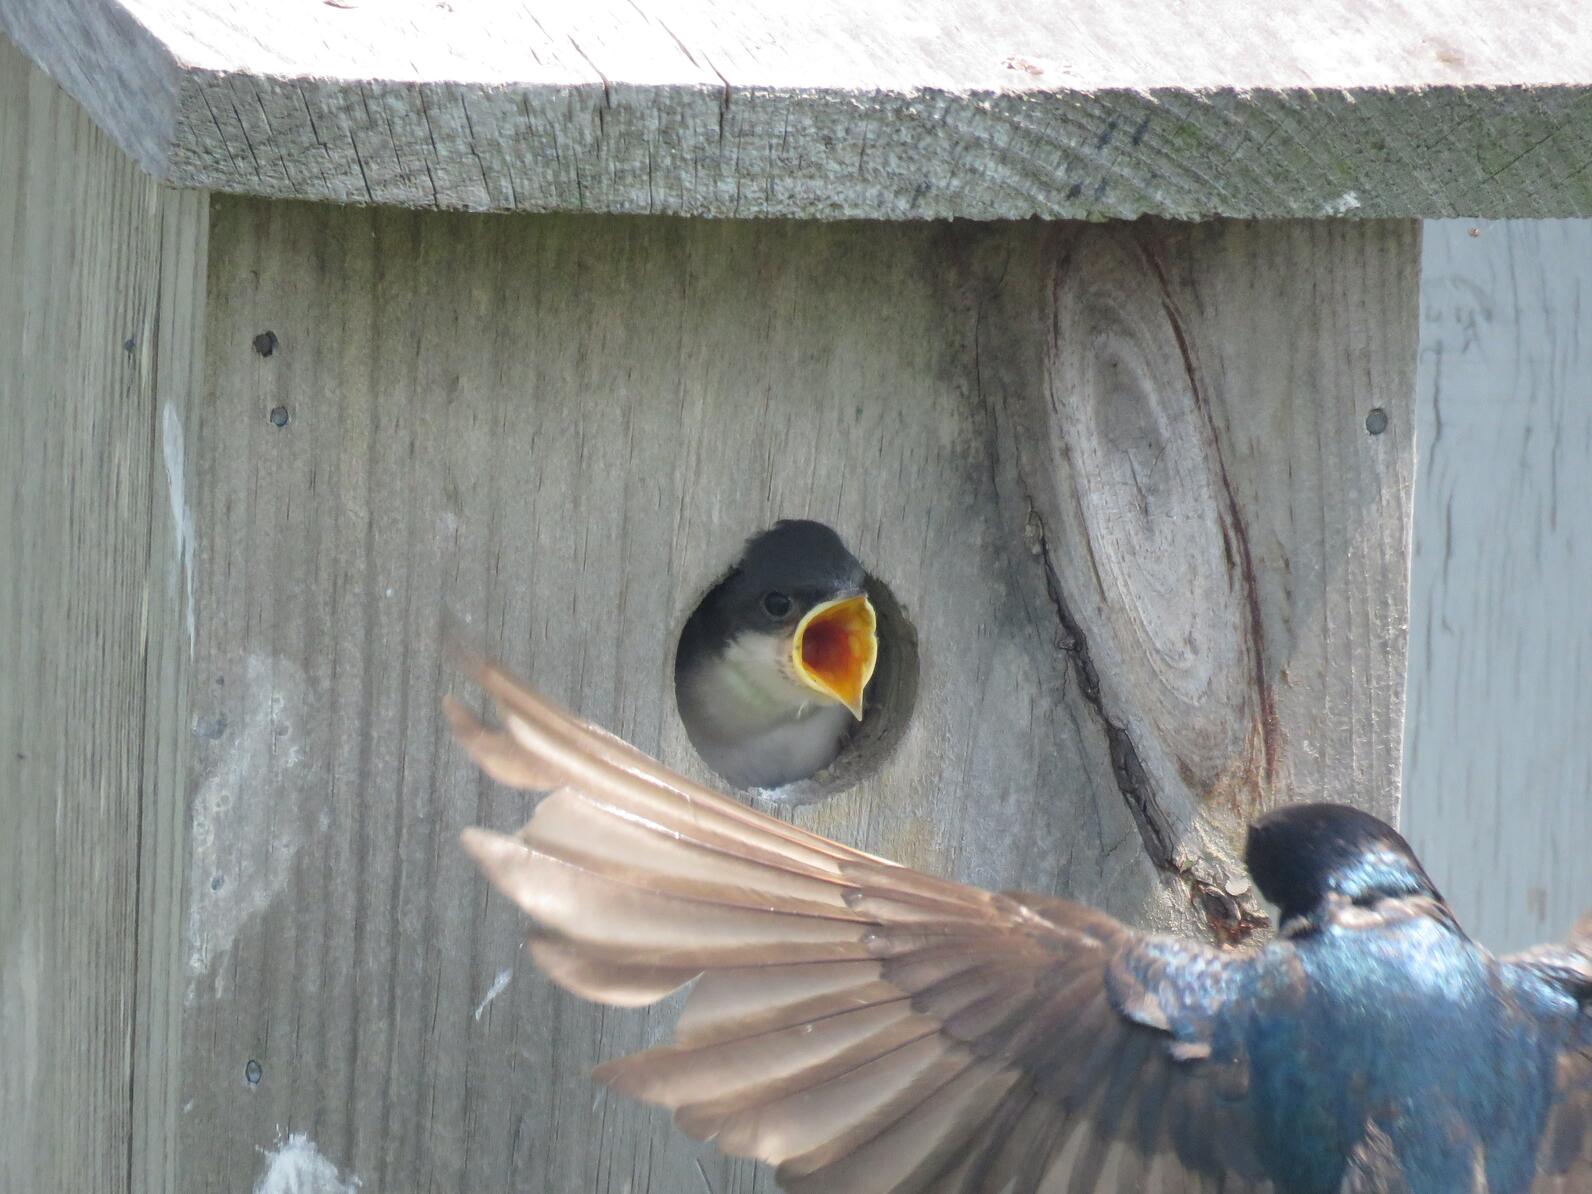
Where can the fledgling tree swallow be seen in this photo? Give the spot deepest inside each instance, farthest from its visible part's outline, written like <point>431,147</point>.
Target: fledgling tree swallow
<point>870,1028</point>
<point>772,665</point>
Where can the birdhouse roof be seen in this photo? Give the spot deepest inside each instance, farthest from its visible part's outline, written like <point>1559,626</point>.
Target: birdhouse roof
<point>831,109</point>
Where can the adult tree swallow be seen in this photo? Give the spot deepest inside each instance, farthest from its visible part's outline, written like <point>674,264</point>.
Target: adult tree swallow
<point>771,668</point>
<point>866,1027</point>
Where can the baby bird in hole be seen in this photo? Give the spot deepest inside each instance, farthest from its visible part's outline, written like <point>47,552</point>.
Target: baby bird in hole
<point>772,666</point>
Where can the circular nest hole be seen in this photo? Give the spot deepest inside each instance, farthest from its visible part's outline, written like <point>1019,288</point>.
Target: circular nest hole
<point>887,709</point>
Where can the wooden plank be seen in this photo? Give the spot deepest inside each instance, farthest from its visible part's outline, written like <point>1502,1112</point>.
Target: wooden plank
<point>91,301</point>
<point>560,429</point>
<point>110,63</point>
<point>1242,596</point>
<point>177,352</point>
<point>1499,748</point>
<point>1300,108</point>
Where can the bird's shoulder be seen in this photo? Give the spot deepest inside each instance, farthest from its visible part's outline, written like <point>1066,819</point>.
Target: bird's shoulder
<point>1552,984</point>
<point>1563,967</point>
<point>1193,1001</point>
<point>1419,915</point>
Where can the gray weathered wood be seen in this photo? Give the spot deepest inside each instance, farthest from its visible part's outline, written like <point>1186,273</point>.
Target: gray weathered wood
<point>97,267</point>
<point>177,345</point>
<point>1203,428</point>
<point>560,428</point>
<point>937,108</point>
<point>1499,748</point>
<point>1119,478</point>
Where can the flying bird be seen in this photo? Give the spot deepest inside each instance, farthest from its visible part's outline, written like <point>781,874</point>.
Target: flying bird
<point>772,665</point>
<point>866,1027</point>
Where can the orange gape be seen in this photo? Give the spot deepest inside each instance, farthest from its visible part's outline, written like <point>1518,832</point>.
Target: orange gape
<point>834,651</point>
<point>836,648</point>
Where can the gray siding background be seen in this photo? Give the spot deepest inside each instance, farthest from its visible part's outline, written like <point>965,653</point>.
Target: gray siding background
<point>1498,733</point>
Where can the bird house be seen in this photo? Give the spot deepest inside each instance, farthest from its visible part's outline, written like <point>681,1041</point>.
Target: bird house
<point>1092,334</point>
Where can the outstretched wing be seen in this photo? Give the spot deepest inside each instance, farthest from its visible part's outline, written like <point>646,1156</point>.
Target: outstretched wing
<point>1564,1163</point>
<point>861,1025</point>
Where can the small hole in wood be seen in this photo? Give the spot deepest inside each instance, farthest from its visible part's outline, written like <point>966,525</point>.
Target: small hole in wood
<point>279,416</point>
<point>1376,421</point>
<point>864,745</point>
<point>266,343</point>
<point>253,1072</point>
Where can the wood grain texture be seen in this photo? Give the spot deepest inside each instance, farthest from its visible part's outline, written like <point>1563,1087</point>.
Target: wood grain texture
<point>898,110</point>
<point>560,429</point>
<point>91,296</point>
<point>176,345</point>
<point>1499,746</point>
<point>1203,430</point>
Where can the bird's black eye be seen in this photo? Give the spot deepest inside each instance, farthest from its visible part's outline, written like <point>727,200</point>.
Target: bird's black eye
<point>776,605</point>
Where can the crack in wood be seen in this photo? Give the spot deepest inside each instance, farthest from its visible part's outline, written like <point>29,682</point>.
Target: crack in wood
<point>1156,829</point>
<point>1138,791</point>
<point>1266,722</point>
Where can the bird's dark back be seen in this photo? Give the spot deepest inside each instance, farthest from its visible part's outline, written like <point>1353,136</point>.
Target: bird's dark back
<point>1407,1043</point>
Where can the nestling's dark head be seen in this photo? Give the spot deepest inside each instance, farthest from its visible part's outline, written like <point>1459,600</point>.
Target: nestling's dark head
<point>1300,854</point>
<point>784,572</point>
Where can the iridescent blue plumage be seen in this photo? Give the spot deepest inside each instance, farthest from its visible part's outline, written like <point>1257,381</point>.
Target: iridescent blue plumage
<point>1374,1038</point>
<point>1405,1026</point>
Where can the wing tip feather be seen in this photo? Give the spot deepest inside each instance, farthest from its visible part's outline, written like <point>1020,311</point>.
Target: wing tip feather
<point>461,719</point>
<point>493,852</point>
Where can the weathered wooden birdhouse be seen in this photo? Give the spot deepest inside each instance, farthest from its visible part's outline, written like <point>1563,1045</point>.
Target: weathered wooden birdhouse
<point>1092,331</point>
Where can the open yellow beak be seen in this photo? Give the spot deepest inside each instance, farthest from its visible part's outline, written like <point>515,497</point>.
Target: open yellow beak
<point>835,649</point>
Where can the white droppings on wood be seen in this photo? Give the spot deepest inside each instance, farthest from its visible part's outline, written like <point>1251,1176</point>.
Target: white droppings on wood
<point>499,985</point>
<point>241,852</point>
<point>296,1166</point>
<point>171,452</point>
<point>1342,205</point>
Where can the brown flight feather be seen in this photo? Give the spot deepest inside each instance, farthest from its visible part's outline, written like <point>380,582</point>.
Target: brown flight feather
<point>862,1026</point>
